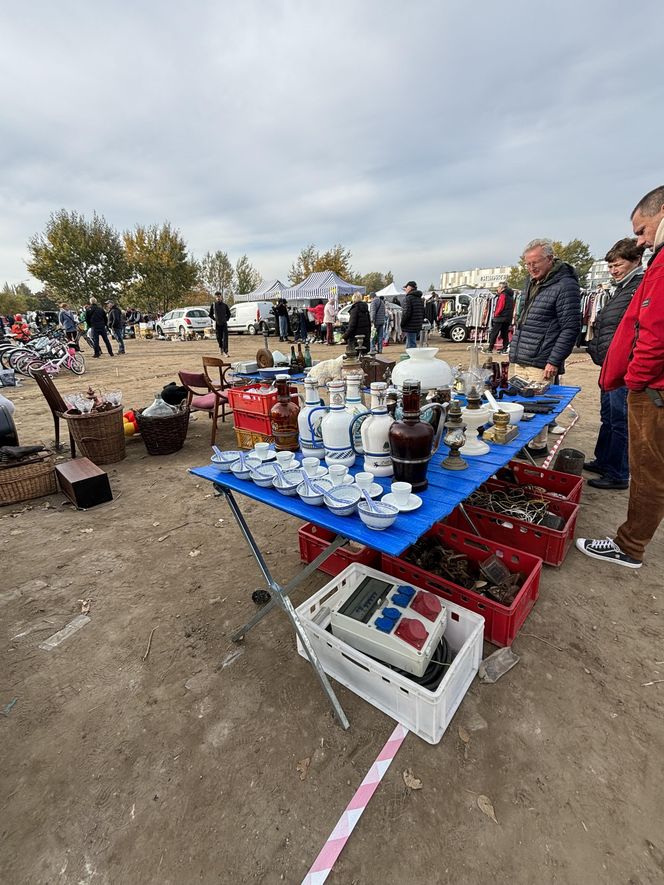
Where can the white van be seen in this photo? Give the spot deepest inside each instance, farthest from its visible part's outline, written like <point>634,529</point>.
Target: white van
<point>253,317</point>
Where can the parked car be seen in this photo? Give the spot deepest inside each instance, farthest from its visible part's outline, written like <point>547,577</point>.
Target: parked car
<point>253,317</point>
<point>185,321</point>
<point>343,317</point>
<point>455,328</point>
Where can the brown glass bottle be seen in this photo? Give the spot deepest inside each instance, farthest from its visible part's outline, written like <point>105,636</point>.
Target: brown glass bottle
<point>411,440</point>
<point>283,418</point>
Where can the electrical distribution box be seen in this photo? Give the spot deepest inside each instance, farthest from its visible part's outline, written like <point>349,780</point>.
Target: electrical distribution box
<point>394,623</point>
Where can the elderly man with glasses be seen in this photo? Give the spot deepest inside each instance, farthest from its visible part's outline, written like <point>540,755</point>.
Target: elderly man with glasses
<point>549,323</point>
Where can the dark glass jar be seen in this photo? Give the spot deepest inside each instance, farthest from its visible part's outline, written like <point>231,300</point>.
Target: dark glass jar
<point>411,440</point>
<point>283,418</point>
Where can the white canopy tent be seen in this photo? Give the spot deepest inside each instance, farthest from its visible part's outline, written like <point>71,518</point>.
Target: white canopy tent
<point>390,291</point>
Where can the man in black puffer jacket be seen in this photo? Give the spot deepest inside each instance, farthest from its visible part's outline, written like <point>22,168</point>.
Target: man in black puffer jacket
<point>412,318</point>
<point>611,459</point>
<point>549,323</point>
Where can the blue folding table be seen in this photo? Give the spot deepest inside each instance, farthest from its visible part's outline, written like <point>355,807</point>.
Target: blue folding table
<point>447,490</point>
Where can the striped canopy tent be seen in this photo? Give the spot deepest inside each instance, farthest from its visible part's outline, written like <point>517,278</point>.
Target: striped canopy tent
<point>267,290</point>
<point>321,284</point>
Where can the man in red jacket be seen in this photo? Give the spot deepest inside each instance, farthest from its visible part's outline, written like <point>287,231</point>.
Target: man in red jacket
<point>636,359</point>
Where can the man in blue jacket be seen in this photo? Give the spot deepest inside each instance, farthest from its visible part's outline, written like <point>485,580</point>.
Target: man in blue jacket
<point>549,324</point>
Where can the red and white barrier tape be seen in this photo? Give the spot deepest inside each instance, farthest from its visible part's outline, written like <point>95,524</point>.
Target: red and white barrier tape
<point>322,866</point>
<point>549,458</point>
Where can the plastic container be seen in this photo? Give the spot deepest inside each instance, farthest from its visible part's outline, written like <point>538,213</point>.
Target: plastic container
<point>561,485</point>
<point>426,713</point>
<point>247,439</point>
<point>501,622</point>
<point>253,422</point>
<point>550,545</point>
<point>313,540</point>
<point>254,403</point>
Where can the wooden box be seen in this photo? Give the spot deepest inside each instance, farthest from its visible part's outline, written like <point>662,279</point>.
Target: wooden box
<point>85,484</point>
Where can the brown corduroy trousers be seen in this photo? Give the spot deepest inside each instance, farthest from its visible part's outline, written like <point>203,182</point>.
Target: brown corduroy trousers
<point>646,467</point>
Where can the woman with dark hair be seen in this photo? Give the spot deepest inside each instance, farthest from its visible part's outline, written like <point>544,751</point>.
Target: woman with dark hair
<point>611,455</point>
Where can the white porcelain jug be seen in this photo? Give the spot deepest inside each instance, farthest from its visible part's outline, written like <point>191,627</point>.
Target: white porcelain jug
<point>310,439</point>
<point>374,429</point>
<point>423,367</point>
<point>335,426</point>
<point>355,407</point>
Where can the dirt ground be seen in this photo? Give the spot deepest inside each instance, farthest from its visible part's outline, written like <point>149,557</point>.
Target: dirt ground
<point>183,768</point>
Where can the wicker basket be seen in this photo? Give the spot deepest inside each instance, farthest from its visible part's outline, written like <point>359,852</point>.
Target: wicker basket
<point>21,482</point>
<point>99,435</point>
<point>163,436</point>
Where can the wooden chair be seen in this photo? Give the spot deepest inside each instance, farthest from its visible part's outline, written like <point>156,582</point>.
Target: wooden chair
<point>56,404</point>
<point>215,363</point>
<point>204,397</point>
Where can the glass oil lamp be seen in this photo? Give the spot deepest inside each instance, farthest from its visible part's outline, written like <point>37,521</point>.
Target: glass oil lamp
<point>454,437</point>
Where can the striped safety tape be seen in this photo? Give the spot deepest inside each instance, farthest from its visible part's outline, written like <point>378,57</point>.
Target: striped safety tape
<point>549,459</point>
<point>322,866</point>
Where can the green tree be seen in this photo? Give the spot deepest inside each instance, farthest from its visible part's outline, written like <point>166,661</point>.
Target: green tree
<point>216,273</point>
<point>374,281</point>
<point>246,275</point>
<point>576,252</point>
<point>162,274</point>
<point>77,258</point>
<point>311,260</point>
<point>15,299</point>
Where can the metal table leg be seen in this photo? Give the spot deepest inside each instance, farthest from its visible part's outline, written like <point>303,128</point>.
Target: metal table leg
<point>280,598</point>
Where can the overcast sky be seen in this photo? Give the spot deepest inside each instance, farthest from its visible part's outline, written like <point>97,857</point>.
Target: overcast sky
<point>423,136</point>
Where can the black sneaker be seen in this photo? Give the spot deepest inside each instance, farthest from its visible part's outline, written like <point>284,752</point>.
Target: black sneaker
<point>593,467</point>
<point>537,453</point>
<point>605,548</point>
<point>605,482</point>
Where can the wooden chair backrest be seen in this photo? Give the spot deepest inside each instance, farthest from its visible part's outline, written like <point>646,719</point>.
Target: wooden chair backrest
<point>214,362</point>
<point>51,393</point>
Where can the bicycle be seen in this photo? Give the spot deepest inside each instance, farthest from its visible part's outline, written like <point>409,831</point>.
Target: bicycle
<point>70,359</point>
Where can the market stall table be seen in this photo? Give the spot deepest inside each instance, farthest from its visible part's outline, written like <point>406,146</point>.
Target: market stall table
<point>447,490</point>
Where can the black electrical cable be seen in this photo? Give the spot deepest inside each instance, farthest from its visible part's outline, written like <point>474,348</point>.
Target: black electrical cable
<point>433,675</point>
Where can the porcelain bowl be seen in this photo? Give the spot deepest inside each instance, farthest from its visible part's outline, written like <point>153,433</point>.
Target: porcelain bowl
<point>309,497</point>
<point>262,478</point>
<point>225,460</point>
<point>514,410</point>
<point>379,518</point>
<point>342,500</point>
<point>293,479</point>
<point>243,470</point>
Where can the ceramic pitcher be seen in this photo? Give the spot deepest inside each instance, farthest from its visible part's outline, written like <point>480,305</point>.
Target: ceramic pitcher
<point>374,429</point>
<point>355,407</point>
<point>335,426</point>
<point>311,440</point>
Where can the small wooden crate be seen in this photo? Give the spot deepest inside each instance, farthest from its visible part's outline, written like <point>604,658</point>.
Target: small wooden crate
<point>247,439</point>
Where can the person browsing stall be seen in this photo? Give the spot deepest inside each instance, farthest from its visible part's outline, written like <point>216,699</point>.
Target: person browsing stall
<point>635,360</point>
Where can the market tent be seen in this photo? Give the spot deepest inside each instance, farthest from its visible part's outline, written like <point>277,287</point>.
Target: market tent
<point>267,290</point>
<point>390,291</point>
<point>321,284</point>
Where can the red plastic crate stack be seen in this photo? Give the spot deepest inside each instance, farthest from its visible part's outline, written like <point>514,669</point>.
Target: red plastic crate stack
<point>251,411</point>
<point>561,485</point>
<point>313,540</point>
<point>551,545</point>
<point>501,622</point>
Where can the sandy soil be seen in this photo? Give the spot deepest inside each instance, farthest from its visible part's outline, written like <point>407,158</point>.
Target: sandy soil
<point>183,768</point>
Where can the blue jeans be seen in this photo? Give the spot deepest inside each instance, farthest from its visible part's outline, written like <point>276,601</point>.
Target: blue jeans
<point>283,327</point>
<point>411,339</point>
<point>379,334</point>
<point>118,334</point>
<point>611,453</point>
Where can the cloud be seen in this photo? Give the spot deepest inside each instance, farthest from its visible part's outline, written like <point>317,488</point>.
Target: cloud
<point>421,137</point>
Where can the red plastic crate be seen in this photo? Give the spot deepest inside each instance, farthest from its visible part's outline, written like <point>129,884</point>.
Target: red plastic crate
<point>564,485</point>
<point>313,540</point>
<point>501,622</point>
<point>549,544</point>
<point>251,421</point>
<point>255,403</point>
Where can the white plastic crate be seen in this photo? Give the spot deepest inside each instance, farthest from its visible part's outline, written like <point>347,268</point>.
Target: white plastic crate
<point>426,713</point>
